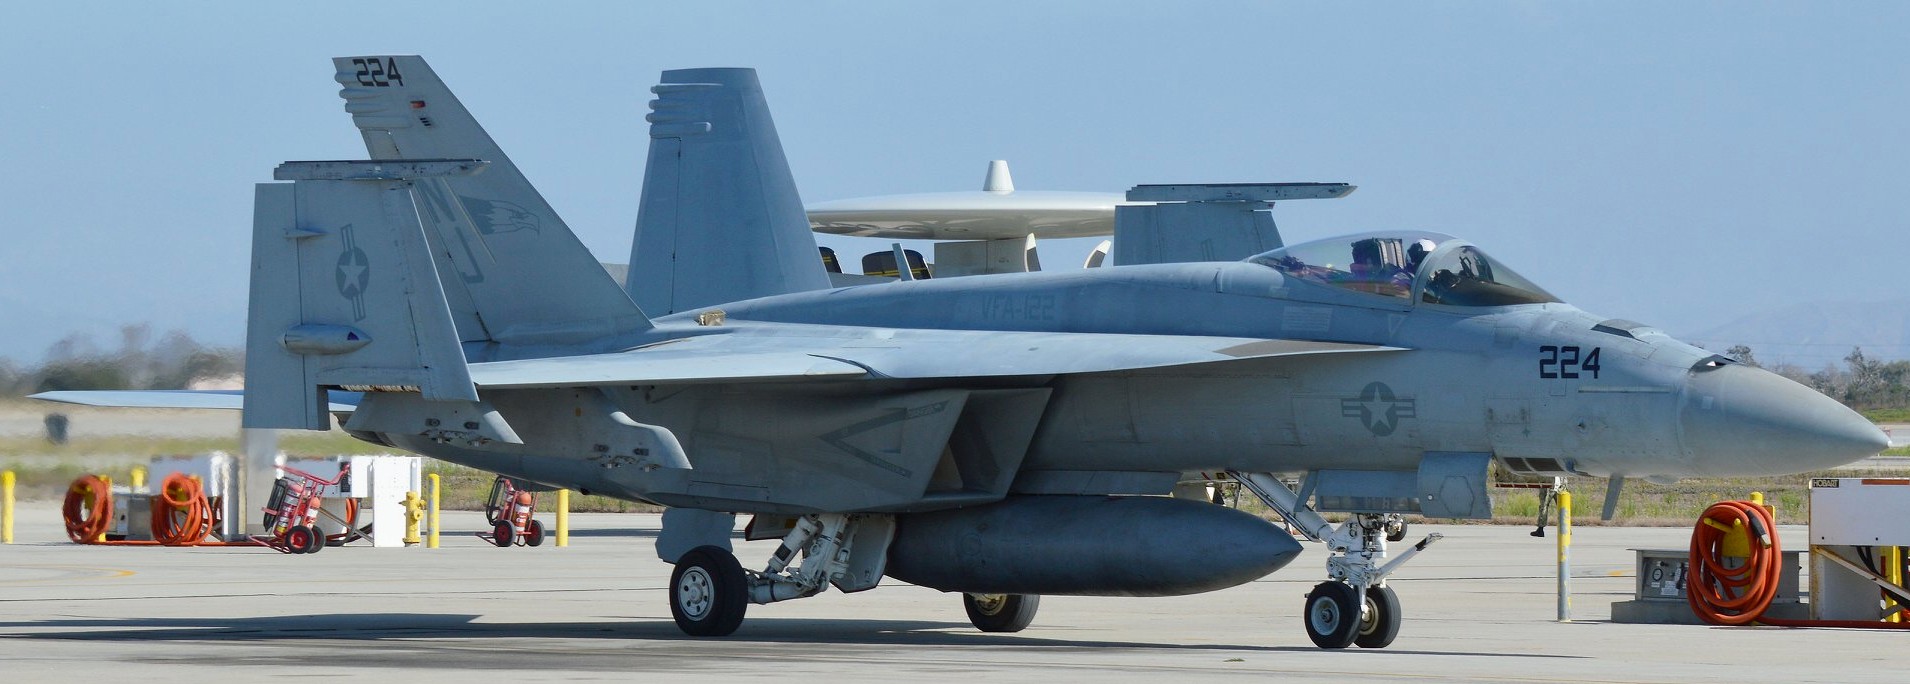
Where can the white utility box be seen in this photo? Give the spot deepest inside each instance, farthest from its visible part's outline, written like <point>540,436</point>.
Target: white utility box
<point>378,483</point>
<point>1861,520</point>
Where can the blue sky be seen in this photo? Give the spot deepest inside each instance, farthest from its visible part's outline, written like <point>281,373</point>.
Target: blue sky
<point>1680,164</point>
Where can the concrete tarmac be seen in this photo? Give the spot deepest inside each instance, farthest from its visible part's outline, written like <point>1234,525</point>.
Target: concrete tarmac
<point>1479,606</point>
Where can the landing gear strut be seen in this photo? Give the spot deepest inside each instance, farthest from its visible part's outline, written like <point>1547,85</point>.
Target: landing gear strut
<point>1354,605</point>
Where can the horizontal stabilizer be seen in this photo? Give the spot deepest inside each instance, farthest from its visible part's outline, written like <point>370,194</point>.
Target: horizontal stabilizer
<point>231,400</point>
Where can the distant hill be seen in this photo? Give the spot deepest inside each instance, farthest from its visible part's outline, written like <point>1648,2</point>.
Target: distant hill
<point>1815,334</point>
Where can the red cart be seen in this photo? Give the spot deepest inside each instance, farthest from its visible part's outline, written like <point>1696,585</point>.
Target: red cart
<point>291,513</point>
<point>509,512</point>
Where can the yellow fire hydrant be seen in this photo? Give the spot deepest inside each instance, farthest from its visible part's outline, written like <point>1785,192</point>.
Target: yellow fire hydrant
<point>414,514</point>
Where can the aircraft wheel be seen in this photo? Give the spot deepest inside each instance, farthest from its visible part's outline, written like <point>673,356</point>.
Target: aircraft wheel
<point>1001,612</point>
<point>502,535</point>
<point>301,539</point>
<point>1332,615</point>
<point>534,534</point>
<point>708,592</point>
<point>1396,532</point>
<point>1379,622</point>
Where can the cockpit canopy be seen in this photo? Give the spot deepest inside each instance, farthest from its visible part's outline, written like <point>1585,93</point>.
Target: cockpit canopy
<point>1439,269</point>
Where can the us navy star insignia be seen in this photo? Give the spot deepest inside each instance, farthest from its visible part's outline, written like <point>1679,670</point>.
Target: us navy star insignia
<point>353,274</point>
<point>1379,409</point>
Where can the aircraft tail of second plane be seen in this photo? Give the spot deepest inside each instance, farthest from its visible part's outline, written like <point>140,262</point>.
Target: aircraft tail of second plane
<point>720,219</point>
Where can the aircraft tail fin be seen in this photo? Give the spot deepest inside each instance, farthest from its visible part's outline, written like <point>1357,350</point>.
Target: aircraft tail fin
<point>720,219</point>
<point>513,272</point>
<point>345,293</point>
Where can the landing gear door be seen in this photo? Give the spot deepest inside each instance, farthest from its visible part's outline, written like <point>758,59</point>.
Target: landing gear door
<point>1452,484</point>
<point>868,553</point>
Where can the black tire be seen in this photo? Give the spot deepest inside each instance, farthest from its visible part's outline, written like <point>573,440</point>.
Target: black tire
<point>1379,623</point>
<point>503,535</point>
<point>318,539</point>
<point>300,539</point>
<point>1397,534</point>
<point>534,534</point>
<point>1001,612</point>
<point>1332,615</point>
<point>708,592</point>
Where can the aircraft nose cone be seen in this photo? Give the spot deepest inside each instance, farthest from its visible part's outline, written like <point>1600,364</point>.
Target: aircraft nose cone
<point>1740,420</point>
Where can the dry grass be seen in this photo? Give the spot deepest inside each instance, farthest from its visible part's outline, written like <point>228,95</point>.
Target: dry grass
<point>1643,504</point>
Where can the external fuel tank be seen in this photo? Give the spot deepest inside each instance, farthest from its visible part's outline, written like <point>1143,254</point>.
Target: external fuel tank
<point>1087,546</point>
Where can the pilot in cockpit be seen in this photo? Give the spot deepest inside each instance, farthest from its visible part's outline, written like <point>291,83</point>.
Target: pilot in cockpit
<point>1416,254</point>
<point>1378,266</point>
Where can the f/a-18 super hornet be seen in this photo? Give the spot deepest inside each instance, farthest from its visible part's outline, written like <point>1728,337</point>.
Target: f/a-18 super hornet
<point>1000,436</point>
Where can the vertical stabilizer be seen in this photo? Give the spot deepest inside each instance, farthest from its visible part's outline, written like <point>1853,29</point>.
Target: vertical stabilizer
<point>514,272</point>
<point>345,293</point>
<point>720,219</point>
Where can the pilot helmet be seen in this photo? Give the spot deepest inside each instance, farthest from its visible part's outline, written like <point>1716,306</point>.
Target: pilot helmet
<point>1417,252</point>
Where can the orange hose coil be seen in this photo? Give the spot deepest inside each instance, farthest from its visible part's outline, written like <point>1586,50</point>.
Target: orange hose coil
<point>181,514</point>
<point>1737,596</point>
<point>88,509</point>
<point>351,522</point>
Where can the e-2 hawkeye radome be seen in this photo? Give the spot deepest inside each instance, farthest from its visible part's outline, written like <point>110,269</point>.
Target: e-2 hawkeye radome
<point>1000,436</point>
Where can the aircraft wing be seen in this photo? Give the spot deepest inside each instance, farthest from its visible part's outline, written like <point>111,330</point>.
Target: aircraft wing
<point>341,402</point>
<point>663,367</point>
<point>900,354</point>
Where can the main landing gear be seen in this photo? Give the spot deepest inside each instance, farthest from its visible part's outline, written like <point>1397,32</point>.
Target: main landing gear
<point>1354,607</point>
<point>710,590</point>
<point>1001,612</point>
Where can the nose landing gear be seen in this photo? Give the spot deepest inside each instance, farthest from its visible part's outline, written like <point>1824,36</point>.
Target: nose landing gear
<point>1354,606</point>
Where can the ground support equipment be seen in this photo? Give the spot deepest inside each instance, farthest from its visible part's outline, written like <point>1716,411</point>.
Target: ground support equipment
<point>509,511</point>
<point>293,509</point>
<point>1735,562</point>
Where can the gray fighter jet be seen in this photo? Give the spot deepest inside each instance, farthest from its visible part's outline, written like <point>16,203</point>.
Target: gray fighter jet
<point>998,436</point>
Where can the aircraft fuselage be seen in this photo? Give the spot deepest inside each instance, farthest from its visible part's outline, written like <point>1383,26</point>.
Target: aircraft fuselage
<point>1545,388</point>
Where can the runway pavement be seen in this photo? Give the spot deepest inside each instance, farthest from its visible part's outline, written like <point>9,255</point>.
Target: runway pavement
<point>1479,606</point>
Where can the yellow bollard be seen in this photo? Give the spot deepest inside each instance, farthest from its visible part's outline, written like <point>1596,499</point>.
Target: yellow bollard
<point>1893,557</point>
<point>431,542</point>
<point>139,478</point>
<point>109,497</point>
<point>563,517</point>
<point>6,507</point>
<point>1565,556</point>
